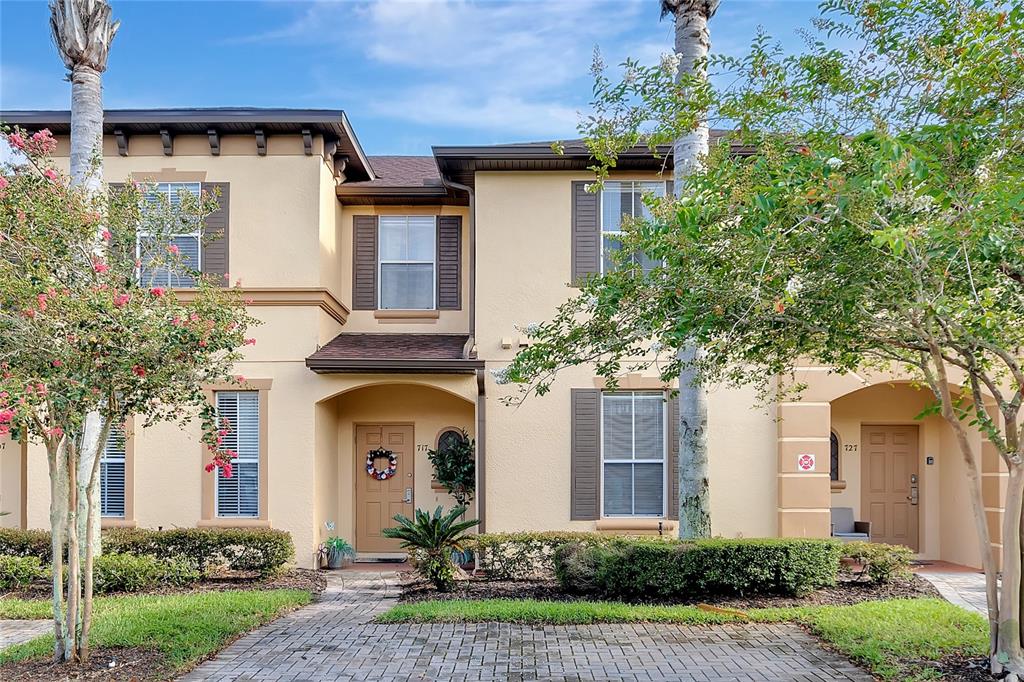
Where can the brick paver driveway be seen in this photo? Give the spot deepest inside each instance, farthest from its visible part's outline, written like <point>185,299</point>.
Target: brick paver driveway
<point>335,640</point>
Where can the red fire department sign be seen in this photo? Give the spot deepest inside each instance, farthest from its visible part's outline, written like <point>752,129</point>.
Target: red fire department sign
<point>805,462</point>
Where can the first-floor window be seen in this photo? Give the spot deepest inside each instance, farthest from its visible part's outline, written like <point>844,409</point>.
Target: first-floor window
<point>152,249</point>
<point>239,494</point>
<point>633,443</point>
<point>833,460</point>
<point>112,473</point>
<point>408,249</point>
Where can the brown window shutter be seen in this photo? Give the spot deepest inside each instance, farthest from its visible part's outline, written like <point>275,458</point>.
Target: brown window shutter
<point>586,232</point>
<point>673,456</point>
<point>364,262</point>
<point>449,262</point>
<point>586,454</point>
<point>215,234</point>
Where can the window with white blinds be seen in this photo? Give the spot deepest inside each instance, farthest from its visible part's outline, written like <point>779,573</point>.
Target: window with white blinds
<point>239,494</point>
<point>407,249</point>
<point>633,442</point>
<point>621,200</point>
<point>112,473</point>
<point>189,243</point>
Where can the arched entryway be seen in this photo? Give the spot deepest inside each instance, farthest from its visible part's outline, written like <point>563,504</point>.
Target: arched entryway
<point>902,472</point>
<point>394,424</point>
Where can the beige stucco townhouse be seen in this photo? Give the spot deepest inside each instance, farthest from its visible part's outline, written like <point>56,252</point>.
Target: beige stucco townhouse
<point>390,287</point>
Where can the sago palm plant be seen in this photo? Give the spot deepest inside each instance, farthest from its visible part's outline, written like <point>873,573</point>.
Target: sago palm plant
<point>433,537</point>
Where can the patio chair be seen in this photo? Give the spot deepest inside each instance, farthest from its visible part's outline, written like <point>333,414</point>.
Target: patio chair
<point>846,529</point>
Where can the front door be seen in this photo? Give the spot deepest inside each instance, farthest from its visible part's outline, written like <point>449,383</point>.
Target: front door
<point>890,483</point>
<point>378,501</point>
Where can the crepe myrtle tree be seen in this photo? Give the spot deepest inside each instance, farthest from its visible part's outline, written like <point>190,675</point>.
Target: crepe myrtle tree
<point>867,211</point>
<point>81,334</point>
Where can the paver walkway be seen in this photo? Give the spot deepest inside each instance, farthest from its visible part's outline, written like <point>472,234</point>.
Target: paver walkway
<point>334,639</point>
<point>17,631</point>
<point>963,587</point>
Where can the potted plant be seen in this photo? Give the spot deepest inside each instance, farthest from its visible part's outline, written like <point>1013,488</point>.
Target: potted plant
<point>338,550</point>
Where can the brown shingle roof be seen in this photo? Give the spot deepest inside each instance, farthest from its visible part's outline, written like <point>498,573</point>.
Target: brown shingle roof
<point>354,352</point>
<point>401,171</point>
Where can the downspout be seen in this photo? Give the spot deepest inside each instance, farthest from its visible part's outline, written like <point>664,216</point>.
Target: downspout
<point>467,351</point>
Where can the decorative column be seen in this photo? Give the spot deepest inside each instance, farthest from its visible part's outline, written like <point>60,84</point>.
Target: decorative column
<point>804,502</point>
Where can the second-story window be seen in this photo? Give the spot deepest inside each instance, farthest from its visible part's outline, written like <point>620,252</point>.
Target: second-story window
<point>151,250</point>
<point>621,200</point>
<point>407,262</point>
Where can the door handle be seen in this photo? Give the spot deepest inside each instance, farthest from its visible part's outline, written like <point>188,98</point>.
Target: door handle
<point>912,497</point>
<point>408,496</point>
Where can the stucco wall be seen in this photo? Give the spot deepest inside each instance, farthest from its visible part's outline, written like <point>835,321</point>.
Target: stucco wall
<point>523,270</point>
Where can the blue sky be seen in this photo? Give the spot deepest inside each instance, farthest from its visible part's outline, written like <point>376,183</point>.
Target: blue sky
<point>409,73</point>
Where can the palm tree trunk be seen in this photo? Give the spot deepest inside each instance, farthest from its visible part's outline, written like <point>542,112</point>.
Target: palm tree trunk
<point>692,43</point>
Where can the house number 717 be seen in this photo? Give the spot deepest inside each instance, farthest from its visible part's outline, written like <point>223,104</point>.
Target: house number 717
<point>422,447</point>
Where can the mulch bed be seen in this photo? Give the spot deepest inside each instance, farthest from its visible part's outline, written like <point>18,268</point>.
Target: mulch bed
<point>117,664</point>
<point>296,578</point>
<point>960,669</point>
<point>846,592</point>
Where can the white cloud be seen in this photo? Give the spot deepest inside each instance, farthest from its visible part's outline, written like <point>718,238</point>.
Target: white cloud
<point>514,69</point>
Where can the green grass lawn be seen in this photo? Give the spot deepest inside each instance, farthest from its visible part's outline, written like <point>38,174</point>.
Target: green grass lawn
<point>894,639</point>
<point>184,627</point>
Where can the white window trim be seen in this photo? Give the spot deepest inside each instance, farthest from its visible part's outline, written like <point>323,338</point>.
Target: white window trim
<point>239,458</point>
<point>663,461</point>
<point>173,188</point>
<point>600,210</point>
<point>382,262</point>
<point>121,459</point>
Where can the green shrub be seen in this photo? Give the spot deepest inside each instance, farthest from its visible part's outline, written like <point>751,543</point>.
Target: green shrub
<point>16,542</point>
<point>128,573</point>
<point>519,556</point>
<point>642,570</point>
<point>19,571</point>
<point>433,538</point>
<point>262,550</point>
<point>879,562</point>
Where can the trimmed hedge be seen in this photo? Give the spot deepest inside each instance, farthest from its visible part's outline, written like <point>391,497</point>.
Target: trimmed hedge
<point>15,542</point>
<point>262,550</point>
<point>19,571</point>
<point>520,556</point>
<point>134,573</point>
<point>879,562</point>
<point>645,570</point>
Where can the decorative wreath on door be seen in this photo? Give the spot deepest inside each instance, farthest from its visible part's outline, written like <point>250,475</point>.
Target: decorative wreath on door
<point>371,464</point>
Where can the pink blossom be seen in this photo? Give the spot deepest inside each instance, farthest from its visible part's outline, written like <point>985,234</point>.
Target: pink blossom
<point>16,141</point>
<point>105,234</point>
<point>240,379</point>
<point>139,371</point>
<point>41,298</point>
<point>176,321</point>
<point>249,342</point>
<point>157,292</point>
<point>226,468</point>
<point>55,432</point>
<point>202,344</point>
<point>41,389</point>
<point>6,416</point>
<point>121,300</point>
<point>58,363</point>
<point>210,467</point>
<point>50,173</point>
<point>173,248</point>
<point>227,277</point>
<point>99,266</point>
<point>3,182</point>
